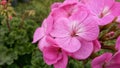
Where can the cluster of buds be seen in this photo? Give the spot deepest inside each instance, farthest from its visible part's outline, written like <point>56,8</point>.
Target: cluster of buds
<point>6,11</point>
<point>5,6</point>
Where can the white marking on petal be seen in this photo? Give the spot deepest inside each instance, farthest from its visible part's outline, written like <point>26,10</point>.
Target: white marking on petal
<point>105,12</point>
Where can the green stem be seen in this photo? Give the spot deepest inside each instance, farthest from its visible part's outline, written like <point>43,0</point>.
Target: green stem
<point>7,21</point>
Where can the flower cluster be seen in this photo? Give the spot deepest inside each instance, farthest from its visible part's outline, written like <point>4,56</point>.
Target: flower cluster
<point>72,30</point>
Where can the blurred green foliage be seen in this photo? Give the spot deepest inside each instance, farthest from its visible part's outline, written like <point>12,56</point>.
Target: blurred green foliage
<point>41,7</point>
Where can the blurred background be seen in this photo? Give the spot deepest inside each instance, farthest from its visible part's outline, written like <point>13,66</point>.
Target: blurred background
<point>18,21</point>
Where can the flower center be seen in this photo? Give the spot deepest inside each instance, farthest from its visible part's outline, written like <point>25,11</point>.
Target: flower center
<point>74,29</point>
<point>59,50</point>
<point>104,12</point>
<point>73,34</point>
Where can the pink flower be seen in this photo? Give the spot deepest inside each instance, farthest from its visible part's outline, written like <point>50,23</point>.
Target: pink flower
<point>118,44</point>
<point>54,55</point>
<point>42,32</point>
<point>106,60</point>
<point>3,2</point>
<point>73,33</point>
<point>104,10</point>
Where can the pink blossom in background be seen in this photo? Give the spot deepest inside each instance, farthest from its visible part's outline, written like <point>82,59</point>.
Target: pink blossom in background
<point>105,11</point>
<point>107,60</point>
<point>3,2</point>
<point>10,17</point>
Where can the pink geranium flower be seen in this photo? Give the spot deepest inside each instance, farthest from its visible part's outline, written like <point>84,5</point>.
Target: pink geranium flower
<point>106,60</point>
<point>54,55</point>
<point>104,10</point>
<point>79,25</point>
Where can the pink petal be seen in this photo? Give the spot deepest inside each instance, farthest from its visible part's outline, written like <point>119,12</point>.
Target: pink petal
<point>69,2</point>
<point>80,14</point>
<point>84,1</point>
<point>69,9</point>
<point>118,43</point>
<point>115,58</point>
<point>58,13</point>
<point>114,62</point>
<point>62,63</point>
<point>43,43</point>
<point>96,6</point>
<point>89,29</point>
<point>51,55</point>
<point>109,3</point>
<point>55,5</point>
<point>48,24</point>
<point>69,44</point>
<point>113,66</point>
<point>106,19</point>
<point>61,28</point>
<point>51,41</point>
<point>39,33</point>
<point>99,61</point>
<point>115,10</point>
<point>85,50</point>
<point>97,45</point>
